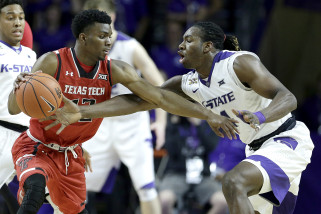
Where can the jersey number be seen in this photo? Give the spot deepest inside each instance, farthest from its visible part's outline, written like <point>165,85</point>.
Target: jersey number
<point>84,101</point>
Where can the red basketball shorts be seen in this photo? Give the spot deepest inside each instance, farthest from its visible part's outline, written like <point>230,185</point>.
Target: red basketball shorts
<point>67,191</point>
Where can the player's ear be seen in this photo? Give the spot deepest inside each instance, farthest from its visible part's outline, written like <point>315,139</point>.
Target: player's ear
<point>82,38</point>
<point>207,47</point>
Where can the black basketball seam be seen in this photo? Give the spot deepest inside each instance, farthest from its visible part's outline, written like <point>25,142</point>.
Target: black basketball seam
<point>48,88</point>
<point>23,97</point>
<point>34,91</point>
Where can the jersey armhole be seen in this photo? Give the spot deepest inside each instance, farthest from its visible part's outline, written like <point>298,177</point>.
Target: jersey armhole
<point>232,72</point>
<point>109,71</point>
<point>57,75</point>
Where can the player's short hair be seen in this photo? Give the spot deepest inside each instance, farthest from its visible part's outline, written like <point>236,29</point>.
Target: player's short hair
<point>87,18</point>
<point>108,6</point>
<point>214,33</point>
<point>4,3</point>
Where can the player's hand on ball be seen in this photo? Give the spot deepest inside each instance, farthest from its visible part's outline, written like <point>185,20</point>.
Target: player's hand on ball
<point>21,78</point>
<point>65,116</point>
<point>220,124</point>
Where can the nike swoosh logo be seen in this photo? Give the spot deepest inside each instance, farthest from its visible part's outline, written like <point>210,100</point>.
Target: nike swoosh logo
<point>49,104</point>
<point>195,90</point>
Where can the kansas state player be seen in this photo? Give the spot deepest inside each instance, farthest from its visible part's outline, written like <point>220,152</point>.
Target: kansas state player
<point>237,83</point>
<point>14,59</point>
<point>126,138</point>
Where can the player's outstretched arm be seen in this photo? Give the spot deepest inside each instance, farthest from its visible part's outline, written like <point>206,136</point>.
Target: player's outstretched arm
<point>168,100</point>
<point>148,97</point>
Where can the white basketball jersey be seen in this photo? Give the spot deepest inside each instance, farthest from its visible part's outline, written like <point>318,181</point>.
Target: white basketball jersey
<point>126,44</point>
<point>13,61</point>
<point>123,49</point>
<point>222,91</point>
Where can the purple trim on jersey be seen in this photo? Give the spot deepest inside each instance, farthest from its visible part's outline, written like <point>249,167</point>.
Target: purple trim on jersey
<point>279,180</point>
<point>287,206</point>
<point>149,185</point>
<point>150,140</point>
<point>218,57</point>
<point>288,141</point>
<point>122,37</point>
<point>110,181</point>
<point>17,50</point>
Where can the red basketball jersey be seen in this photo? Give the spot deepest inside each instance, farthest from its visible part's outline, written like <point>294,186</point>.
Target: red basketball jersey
<point>83,88</point>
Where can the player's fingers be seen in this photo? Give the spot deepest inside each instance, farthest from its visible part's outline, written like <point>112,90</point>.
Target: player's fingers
<point>233,126</point>
<point>51,125</point>
<point>89,165</point>
<point>62,127</point>
<point>233,130</point>
<point>234,121</point>
<point>227,131</point>
<point>217,132</point>
<point>64,99</point>
<point>52,117</point>
<point>237,113</point>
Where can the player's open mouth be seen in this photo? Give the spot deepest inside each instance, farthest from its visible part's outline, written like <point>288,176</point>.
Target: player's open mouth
<point>182,56</point>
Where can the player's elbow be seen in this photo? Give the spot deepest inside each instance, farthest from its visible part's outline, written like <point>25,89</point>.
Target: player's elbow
<point>294,102</point>
<point>13,111</point>
<point>13,107</point>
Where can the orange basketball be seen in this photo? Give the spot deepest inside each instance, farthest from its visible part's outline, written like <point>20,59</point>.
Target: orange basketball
<point>40,96</point>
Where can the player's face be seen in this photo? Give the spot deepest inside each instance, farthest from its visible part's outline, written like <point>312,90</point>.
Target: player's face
<point>191,49</point>
<point>98,40</point>
<point>12,24</point>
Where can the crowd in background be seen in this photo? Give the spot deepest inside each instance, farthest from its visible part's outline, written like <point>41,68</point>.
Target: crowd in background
<point>159,25</point>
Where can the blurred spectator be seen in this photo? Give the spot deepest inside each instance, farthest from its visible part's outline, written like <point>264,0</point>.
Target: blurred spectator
<point>52,35</point>
<point>187,11</point>
<point>189,142</point>
<point>165,55</point>
<point>132,17</point>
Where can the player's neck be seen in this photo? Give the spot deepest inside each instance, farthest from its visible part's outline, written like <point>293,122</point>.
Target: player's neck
<point>82,56</point>
<point>11,44</point>
<point>206,66</point>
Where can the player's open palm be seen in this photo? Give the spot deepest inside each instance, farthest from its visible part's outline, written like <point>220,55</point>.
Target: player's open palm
<point>221,125</point>
<point>65,116</point>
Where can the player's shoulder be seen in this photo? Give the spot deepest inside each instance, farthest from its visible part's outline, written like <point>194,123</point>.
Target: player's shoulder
<point>246,54</point>
<point>29,51</point>
<point>63,50</point>
<point>123,38</point>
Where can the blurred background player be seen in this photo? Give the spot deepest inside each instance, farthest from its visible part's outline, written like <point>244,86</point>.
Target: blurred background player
<point>127,139</point>
<point>187,179</point>
<point>27,39</point>
<point>14,58</point>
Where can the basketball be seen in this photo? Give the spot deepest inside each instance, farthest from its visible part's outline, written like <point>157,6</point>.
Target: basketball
<point>40,96</point>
